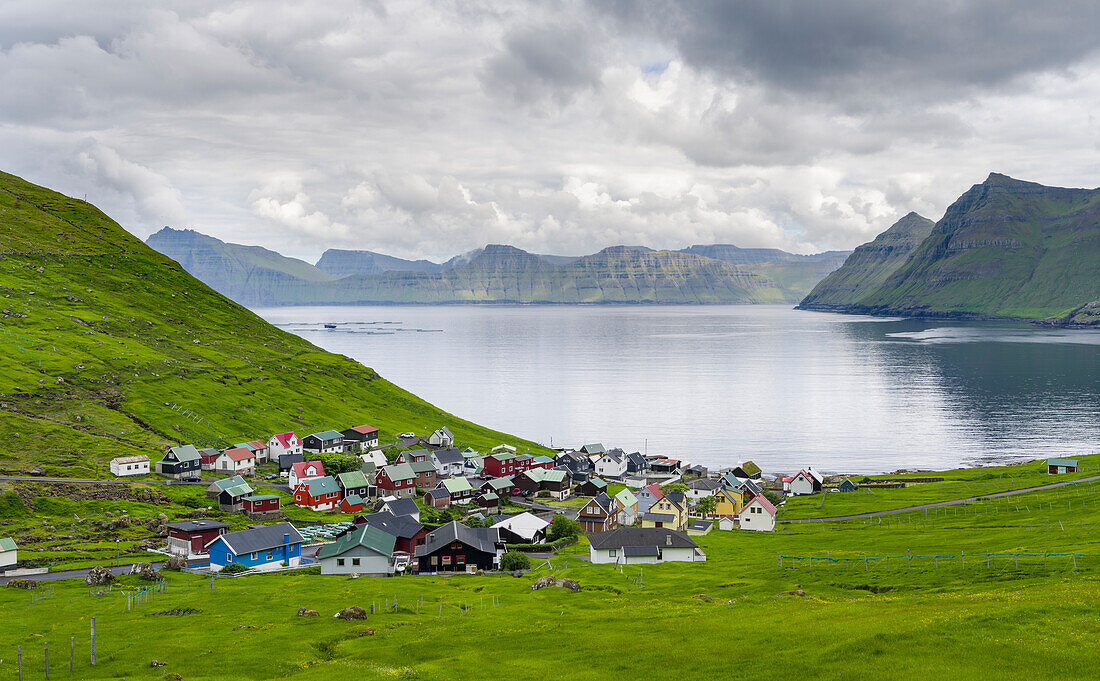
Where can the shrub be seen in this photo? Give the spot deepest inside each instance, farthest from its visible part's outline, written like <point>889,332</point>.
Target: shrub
<point>233,569</point>
<point>561,528</point>
<point>514,560</point>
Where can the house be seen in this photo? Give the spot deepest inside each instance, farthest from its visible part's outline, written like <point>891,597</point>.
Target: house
<point>457,548</point>
<point>366,550</point>
<point>636,463</point>
<point>261,506</point>
<point>9,552</point>
<point>697,528</point>
<point>353,483</point>
<point>697,471</point>
<point>627,505</point>
<point>728,502</point>
<point>259,448</point>
<point>752,470</point>
<point>408,531</point>
<point>180,463</point>
<point>640,545</point>
<point>230,493</point>
<point>846,485</point>
<point>671,510</point>
<point>283,443</point>
<point>665,466</point>
<point>236,461</point>
<point>351,503</point>
<point>377,457</point>
<point>413,455</point>
<point>598,515</point>
<point>647,496</point>
<point>489,502</point>
<point>499,464</point>
<point>441,438</point>
<point>360,438</point>
<point>318,494</point>
<point>1059,466</point>
<point>304,470</point>
<point>611,464</point>
<point>264,547</point>
<point>499,486</point>
<point>591,487</point>
<point>542,462</point>
<point>123,466</point>
<point>209,456</point>
<point>425,474</point>
<point>703,487</point>
<point>524,528</point>
<point>448,462</point>
<point>554,482</point>
<point>578,465</point>
<point>459,489</point>
<point>325,442</point>
<point>474,465</point>
<point>437,498</point>
<point>402,506</point>
<point>190,537</point>
<point>594,448</point>
<point>286,461</point>
<point>758,514</point>
<point>805,482</point>
<point>397,479</point>
<point>503,449</point>
<point>726,523</point>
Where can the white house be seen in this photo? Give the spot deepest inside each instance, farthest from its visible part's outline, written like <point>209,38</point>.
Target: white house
<point>441,438</point>
<point>758,514</point>
<point>525,528</point>
<point>449,462</point>
<point>702,487</point>
<point>377,457</point>
<point>806,481</point>
<point>364,550</point>
<point>635,545</point>
<point>122,466</point>
<point>283,443</point>
<point>611,464</point>
<point>236,461</point>
<point>8,551</point>
<point>305,470</point>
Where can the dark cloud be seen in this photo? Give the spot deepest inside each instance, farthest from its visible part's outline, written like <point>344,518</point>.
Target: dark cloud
<point>555,61</point>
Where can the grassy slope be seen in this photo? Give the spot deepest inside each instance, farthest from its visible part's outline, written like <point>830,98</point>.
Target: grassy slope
<point>883,622</point>
<point>112,349</point>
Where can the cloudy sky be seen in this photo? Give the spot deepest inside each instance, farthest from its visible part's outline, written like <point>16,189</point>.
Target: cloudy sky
<point>431,128</point>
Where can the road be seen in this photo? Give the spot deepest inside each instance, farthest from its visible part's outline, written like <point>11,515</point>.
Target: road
<point>72,574</point>
<point>100,482</point>
<point>943,504</point>
<point>570,513</point>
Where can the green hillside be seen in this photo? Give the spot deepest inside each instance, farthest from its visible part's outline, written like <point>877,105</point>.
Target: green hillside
<point>112,348</point>
<point>1005,249</point>
<point>869,266</point>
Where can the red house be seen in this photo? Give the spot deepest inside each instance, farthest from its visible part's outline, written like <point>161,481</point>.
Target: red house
<point>318,494</point>
<point>261,505</point>
<point>398,478</point>
<point>506,463</point>
<point>190,537</point>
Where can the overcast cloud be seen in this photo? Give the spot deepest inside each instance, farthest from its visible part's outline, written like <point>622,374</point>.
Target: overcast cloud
<point>431,128</point>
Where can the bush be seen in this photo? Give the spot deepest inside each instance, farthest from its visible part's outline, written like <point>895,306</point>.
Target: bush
<point>539,548</point>
<point>562,528</point>
<point>233,569</point>
<point>514,560</point>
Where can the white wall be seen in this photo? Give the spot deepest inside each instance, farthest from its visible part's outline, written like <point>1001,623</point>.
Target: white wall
<point>7,558</point>
<point>801,486</point>
<point>761,522</point>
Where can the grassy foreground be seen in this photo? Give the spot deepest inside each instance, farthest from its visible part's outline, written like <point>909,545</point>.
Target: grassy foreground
<point>978,620</point>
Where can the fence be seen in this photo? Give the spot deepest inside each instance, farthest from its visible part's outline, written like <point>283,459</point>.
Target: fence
<point>145,594</point>
<point>991,560</point>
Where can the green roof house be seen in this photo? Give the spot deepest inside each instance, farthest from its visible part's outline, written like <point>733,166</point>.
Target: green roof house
<point>8,551</point>
<point>365,550</point>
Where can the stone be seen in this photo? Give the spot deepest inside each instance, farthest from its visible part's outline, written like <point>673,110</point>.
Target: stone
<point>176,563</point>
<point>99,576</point>
<point>306,612</point>
<point>157,663</point>
<point>352,613</point>
<point>542,582</point>
<point>704,597</point>
<point>796,592</point>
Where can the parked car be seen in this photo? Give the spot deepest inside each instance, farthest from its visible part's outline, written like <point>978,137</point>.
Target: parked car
<point>405,436</point>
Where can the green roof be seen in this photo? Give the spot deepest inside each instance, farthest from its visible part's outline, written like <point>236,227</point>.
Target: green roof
<point>626,498</point>
<point>750,468</point>
<point>226,483</point>
<point>7,544</point>
<point>366,536</point>
<point>353,479</point>
<point>400,471</point>
<point>244,445</point>
<point>598,482</point>
<point>421,466</point>
<point>238,490</point>
<point>319,486</point>
<point>489,496</point>
<point>353,499</point>
<point>328,435</point>
<point>262,497</point>
<point>186,453</point>
<point>456,485</point>
<point>540,474</point>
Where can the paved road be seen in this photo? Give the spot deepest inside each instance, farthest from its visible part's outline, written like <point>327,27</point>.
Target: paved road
<point>942,504</point>
<point>101,482</point>
<point>570,513</point>
<point>71,574</point>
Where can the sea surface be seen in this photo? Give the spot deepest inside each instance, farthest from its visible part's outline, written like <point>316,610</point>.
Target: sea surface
<point>721,384</point>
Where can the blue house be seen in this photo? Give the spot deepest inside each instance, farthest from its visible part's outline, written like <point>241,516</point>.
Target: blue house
<point>264,547</point>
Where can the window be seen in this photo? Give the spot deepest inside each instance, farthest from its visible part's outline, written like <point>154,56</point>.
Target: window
<point>340,561</point>
<point>460,560</point>
<point>354,561</point>
<point>435,560</point>
<point>611,553</point>
<point>269,555</point>
<point>253,555</point>
<point>446,560</point>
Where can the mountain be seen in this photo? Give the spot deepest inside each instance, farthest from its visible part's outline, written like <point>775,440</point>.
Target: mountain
<point>112,349</point>
<point>499,273</point>
<point>869,265</point>
<point>1006,249</point>
<point>251,275</point>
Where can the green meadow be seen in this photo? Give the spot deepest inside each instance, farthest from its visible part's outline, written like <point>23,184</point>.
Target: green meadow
<point>980,591</point>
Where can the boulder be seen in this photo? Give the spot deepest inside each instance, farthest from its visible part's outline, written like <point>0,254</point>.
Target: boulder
<point>796,592</point>
<point>22,584</point>
<point>568,584</point>
<point>704,597</point>
<point>352,613</point>
<point>176,563</point>
<point>542,582</point>
<point>99,576</point>
<point>306,612</point>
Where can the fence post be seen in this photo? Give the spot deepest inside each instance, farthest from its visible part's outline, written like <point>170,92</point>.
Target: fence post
<point>962,555</point>
<point>1074,561</point>
<point>19,656</point>
<point>93,641</point>
<point>46,650</point>
<point>909,559</point>
<point>72,651</point>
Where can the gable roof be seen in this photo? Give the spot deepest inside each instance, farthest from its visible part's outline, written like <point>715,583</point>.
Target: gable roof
<point>284,438</point>
<point>239,454</point>
<point>399,471</point>
<point>260,538</point>
<point>443,432</point>
<point>425,466</point>
<point>402,506</point>
<point>286,461</point>
<point>364,429</point>
<point>448,456</point>
<point>439,493</point>
<point>541,474</point>
<point>241,490</point>
<point>299,468</point>
<point>7,544</point>
<point>353,500</point>
<point>481,538</point>
<point>623,537</point>
<point>246,445</point>
<point>601,500</point>
<point>327,435</point>
<point>705,484</point>
<point>594,448</point>
<point>457,485</point>
<point>543,459</point>
<point>498,484</point>
<point>319,486</point>
<point>366,536</point>
<point>137,458</point>
<point>403,526</point>
<point>352,479</point>
<point>763,501</point>
<point>257,444</point>
<point>185,453</point>
<point>226,483</point>
<point>626,498</point>
<point>261,497</point>
<point>655,490</point>
<point>196,525</point>
<point>1062,462</point>
<point>751,468</point>
<point>526,524</point>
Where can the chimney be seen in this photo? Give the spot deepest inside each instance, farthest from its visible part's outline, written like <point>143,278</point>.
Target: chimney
<point>286,538</point>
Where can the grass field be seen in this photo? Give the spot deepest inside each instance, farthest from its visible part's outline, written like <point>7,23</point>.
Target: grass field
<point>976,620</point>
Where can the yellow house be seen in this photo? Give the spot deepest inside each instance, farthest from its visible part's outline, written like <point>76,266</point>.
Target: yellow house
<point>730,502</point>
<point>669,511</point>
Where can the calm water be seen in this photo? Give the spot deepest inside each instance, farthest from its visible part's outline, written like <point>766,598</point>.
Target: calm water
<point>717,385</point>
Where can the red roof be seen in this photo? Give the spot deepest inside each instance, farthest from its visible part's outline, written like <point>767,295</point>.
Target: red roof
<point>655,490</point>
<point>299,468</point>
<point>763,502</point>
<point>364,429</point>
<point>258,444</point>
<point>284,438</point>
<point>788,479</point>
<point>239,454</point>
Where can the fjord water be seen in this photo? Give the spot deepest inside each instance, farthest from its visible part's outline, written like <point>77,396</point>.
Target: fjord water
<point>721,384</point>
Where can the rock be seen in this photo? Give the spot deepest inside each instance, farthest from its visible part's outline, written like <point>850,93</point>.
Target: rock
<point>173,677</point>
<point>366,632</point>
<point>305,612</point>
<point>568,584</point>
<point>542,582</point>
<point>176,563</point>
<point>352,613</point>
<point>704,597</point>
<point>99,576</point>
<point>796,592</point>
<point>244,626</point>
<point>157,663</point>
<point>22,584</point>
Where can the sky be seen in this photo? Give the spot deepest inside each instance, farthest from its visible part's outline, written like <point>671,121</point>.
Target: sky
<point>427,129</point>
